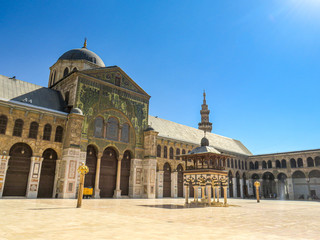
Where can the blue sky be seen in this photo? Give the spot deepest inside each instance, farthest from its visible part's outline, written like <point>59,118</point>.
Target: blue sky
<point>259,60</point>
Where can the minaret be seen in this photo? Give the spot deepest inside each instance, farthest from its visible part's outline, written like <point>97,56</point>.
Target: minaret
<point>205,125</point>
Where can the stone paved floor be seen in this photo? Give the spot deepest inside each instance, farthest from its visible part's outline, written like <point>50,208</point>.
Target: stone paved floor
<point>145,219</point>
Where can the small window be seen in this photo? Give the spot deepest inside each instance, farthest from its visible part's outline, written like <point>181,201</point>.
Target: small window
<point>165,152</point>
<point>251,165</point>
<point>3,124</point>
<point>235,164</point>
<point>278,164</point>
<point>310,162</point>
<point>228,163</point>
<point>171,153</point>
<point>256,165</point>
<point>183,151</point>
<point>47,132</point>
<point>59,133</point>
<point>17,129</point>
<point>66,72</point>
<point>125,132</point>
<point>300,162</point>
<point>264,165</point>
<point>74,69</point>
<point>158,151</point>
<point>231,163</point>
<point>269,164</point>
<point>246,165</point>
<point>33,131</point>
<point>283,163</point>
<point>178,153</point>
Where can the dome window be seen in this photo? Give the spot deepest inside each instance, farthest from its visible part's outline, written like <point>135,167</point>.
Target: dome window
<point>66,72</point>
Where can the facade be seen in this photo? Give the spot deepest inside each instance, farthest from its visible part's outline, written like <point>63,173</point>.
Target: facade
<point>98,115</point>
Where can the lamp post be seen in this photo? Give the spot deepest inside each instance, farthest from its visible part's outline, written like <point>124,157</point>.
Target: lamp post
<point>257,185</point>
<point>82,170</point>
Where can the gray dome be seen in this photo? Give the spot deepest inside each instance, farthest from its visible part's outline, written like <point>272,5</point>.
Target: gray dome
<point>82,53</point>
<point>76,111</point>
<point>204,142</point>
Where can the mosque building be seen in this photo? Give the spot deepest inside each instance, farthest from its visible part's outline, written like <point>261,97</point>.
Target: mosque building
<point>97,114</point>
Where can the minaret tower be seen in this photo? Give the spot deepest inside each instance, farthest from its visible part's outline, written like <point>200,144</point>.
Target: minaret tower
<point>205,125</point>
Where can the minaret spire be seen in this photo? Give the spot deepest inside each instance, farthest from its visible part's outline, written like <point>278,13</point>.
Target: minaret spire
<point>85,43</point>
<point>205,125</point>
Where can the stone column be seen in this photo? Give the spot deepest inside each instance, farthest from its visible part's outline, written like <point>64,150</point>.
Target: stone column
<point>209,193</point>
<point>4,159</point>
<point>214,194</point>
<point>117,191</point>
<point>160,184</point>
<point>34,177</point>
<point>277,188</point>
<point>250,188</point>
<point>195,187</point>
<point>97,178</point>
<point>56,178</point>
<point>202,192</point>
<point>174,184</point>
<point>218,193</point>
<point>289,185</point>
<point>241,188</point>
<point>225,195</point>
<point>234,183</point>
<point>186,187</point>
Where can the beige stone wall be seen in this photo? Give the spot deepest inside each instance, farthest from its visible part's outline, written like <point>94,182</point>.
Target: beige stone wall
<point>38,145</point>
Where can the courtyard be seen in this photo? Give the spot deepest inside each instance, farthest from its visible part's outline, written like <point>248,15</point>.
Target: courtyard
<point>157,219</point>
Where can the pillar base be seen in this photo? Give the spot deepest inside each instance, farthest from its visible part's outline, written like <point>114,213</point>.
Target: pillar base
<point>96,194</point>
<point>117,194</point>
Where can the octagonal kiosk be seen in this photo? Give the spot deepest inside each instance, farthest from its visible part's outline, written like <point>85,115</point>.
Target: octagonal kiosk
<point>205,176</point>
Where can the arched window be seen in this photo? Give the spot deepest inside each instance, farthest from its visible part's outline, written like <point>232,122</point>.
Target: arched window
<point>283,163</point>
<point>178,153</point>
<point>158,151</point>
<point>300,162</point>
<point>165,152</point>
<point>239,165</point>
<point>251,166</point>
<point>310,162</point>
<point>98,127</point>
<point>171,153</point>
<point>256,165</point>
<point>17,129</point>
<point>278,164</point>
<point>235,164</point>
<point>112,129</point>
<point>228,163</point>
<point>231,163</point>
<point>293,163</point>
<point>59,133</point>
<point>246,166</point>
<point>269,164</point>
<point>125,132</point>
<point>66,72</point>
<point>183,151</point>
<point>317,160</point>
<point>66,97</point>
<point>242,165</point>
<point>47,132</point>
<point>33,131</point>
<point>3,124</point>
<point>75,69</point>
<point>264,165</point>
